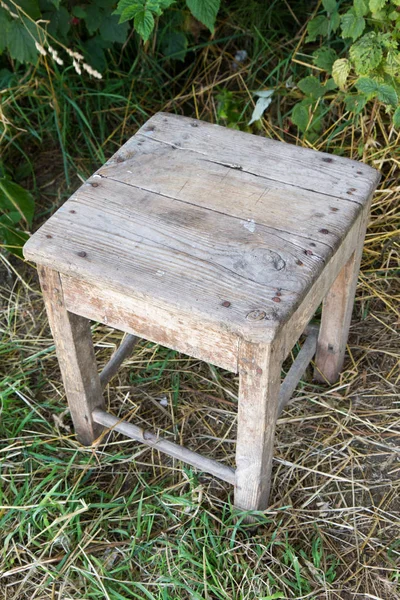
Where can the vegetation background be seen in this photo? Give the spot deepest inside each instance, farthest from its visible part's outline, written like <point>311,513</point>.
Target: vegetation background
<point>122,521</point>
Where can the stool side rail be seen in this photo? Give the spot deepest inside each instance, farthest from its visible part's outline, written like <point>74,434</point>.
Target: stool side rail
<point>175,450</point>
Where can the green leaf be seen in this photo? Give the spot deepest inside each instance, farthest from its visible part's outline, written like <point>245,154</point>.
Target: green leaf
<point>392,63</point>
<point>355,102</point>
<point>387,94</point>
<point>13,238</point>
<point>79,12</point>
<point>396,118</point>
<point>366,54</point>
<point>174,45</point>
<point>31,7</point>
<point>311,86</point>
<point>20,41</point>
<point>376,5</point>
<point>324,58</point>
<point>144,24</point>
<point>367,85</point>
<point>112,31</point>
<point>335,22</point>
<point>340,72</point>
<point>316,27</point>
<point>300,116</point>
<point>205,11</point>
<point>360,7</point>
<point>13,198</point>
<point>93,18</point>
<point>330,85</point>
<point>352,25</point>
<point>4,23</point>
<point>329,5</point>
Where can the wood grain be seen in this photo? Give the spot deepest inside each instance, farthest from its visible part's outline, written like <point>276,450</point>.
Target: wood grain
<point>202,463</point>
<point>337,310</point>
<point>185,333</point>
<point>259,381</point>
<point>75,353</point>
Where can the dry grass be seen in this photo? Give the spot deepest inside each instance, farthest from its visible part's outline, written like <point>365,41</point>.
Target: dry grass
<point>122,521</point>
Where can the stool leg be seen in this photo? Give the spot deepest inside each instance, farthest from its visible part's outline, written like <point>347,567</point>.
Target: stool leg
<point>75,353</point>
<point>259,382</point>
<point>337,309</point>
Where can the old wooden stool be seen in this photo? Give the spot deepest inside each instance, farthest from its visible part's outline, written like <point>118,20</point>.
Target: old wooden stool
<point>218,244</point>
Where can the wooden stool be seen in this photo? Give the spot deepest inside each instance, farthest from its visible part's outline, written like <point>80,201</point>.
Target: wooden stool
<point>218,244</point>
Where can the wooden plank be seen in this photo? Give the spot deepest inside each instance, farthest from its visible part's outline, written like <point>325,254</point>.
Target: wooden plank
<point>297,370</point>
<point>148,438</point>
<point>150,320</point>
<point>300,167</point>
<point>188,177</point>
<point>122,352</point>
<point>75,353</point>
<point>259,381</point>
<point>337,310</point>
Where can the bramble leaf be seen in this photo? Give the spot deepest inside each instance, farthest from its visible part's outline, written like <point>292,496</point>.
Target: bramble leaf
<point>300,116</point>
<point>21,41</point>
<point>329,5</point>
<point>367,85</point>
<point>376,5</point>
<point>387,94</point>
<point>366,53</point>
<point>144,24</point>
<point>316,27</point>
<point>205,11</point>
<point>324,58</point>
<point>340,72</point>
<point>311,86</point>
<point>352,25</point>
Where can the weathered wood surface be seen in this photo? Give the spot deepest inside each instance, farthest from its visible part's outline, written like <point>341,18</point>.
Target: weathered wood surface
<point>167,222</point>
<point>197,337</point>
<point>75,353</point>
<point>337,310</point>
<point>259,381</point>
<point>285,163</point>
<point>297,370</point>
<point>158,443</point>
<point>122,352</point>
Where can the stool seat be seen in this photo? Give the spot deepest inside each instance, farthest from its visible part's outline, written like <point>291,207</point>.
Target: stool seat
<point>218,244</point>
<point>211,223</point>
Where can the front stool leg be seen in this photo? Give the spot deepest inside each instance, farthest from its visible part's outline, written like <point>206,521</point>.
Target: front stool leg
<point>75,353</point>
<point>259,383</point>
<point>337,309</point>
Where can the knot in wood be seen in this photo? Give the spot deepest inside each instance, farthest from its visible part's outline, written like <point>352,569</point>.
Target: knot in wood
<point>256,315</point>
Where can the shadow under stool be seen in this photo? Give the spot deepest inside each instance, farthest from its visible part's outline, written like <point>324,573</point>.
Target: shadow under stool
<point>218,244</point>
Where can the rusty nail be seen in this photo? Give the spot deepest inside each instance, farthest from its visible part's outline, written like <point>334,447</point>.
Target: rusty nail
<point>334,209</point>
<point>298,262</point>
<point>82,254</point>
<point>94,184</point>
<point>312,244</point>
<point>72,212</point>
<point>324,231</point>
<point>308,252</point>
<point>226,304</point>
<point>276,299</point>
<point>48,235</point>
<point>327,159</point>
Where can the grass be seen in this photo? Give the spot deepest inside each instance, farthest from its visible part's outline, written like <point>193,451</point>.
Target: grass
<point>121,521</point>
